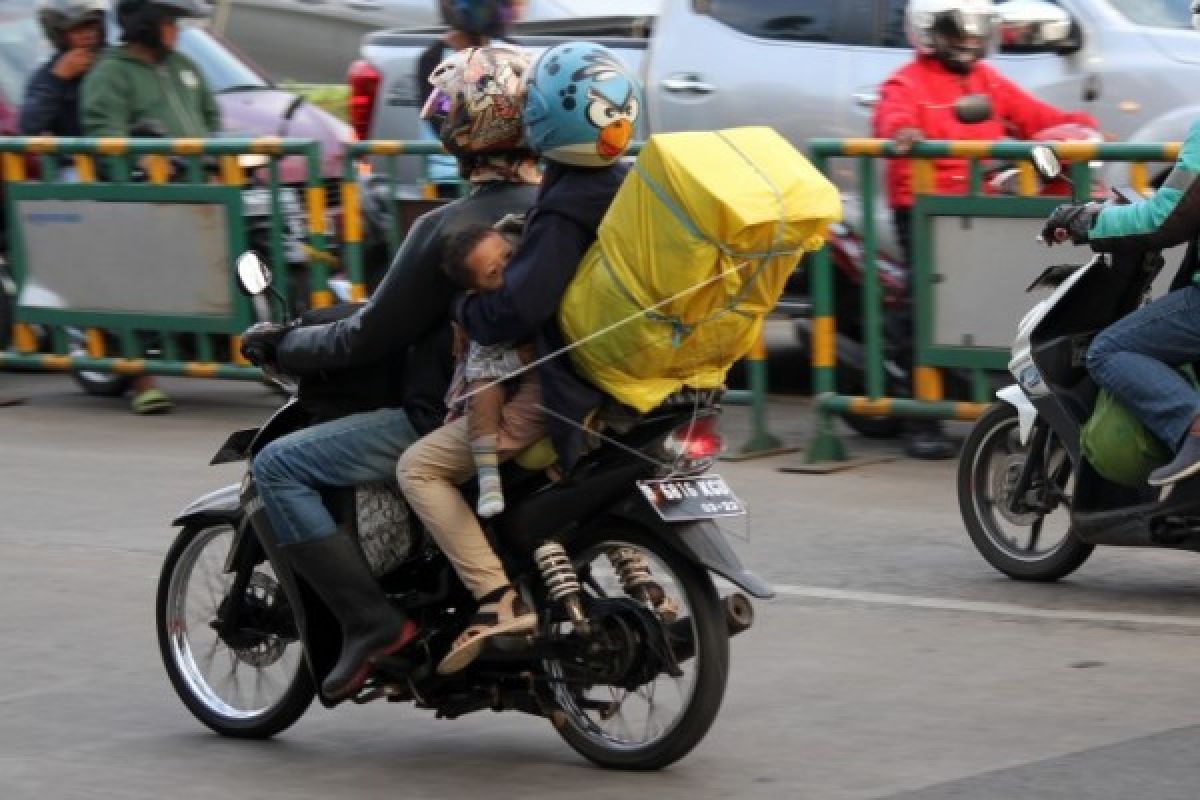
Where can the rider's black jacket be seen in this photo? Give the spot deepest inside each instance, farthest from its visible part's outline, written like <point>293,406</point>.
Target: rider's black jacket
<point>407,317</point>
<point>51,104</point>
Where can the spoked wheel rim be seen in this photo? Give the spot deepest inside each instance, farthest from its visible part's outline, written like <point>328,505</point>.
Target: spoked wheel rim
<point>240,680</point>
<point>1024,534</point>
<point>627,719</point>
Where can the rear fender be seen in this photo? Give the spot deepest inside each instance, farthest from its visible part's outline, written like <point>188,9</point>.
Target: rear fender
<point>701,541</point>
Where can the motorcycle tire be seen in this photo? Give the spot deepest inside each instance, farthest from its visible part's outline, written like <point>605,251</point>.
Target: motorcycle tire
<point>981,522</point>
<point>711,660</point>
<point>174,613</point>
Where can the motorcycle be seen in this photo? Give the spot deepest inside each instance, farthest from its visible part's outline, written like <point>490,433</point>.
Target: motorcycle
<point>1022,465</point>
<point>246,643</point>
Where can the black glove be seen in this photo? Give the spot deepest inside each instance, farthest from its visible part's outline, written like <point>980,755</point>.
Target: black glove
<point>1070,221</point>
<point>261,341</point>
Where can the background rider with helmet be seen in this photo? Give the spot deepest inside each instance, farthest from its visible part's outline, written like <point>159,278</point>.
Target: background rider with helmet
<point>951,37</point>
<point>1137,358</point>
<point>406,322</point>
<point>51,103</point>
<point>145,80</point>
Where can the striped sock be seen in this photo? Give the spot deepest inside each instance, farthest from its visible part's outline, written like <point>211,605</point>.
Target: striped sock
<point>487,463</point>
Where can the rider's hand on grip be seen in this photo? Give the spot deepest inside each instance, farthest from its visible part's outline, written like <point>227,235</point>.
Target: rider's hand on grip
<point>261,341</point>
<point>1069,222</point>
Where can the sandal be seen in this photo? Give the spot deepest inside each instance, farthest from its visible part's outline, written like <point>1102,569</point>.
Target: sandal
<point>151,401</point>
<point>500,612</point>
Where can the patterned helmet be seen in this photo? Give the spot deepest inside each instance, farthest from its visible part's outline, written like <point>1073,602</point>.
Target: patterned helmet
<point>478,17</point>
<point>477,98</point>
<point>582,106</point>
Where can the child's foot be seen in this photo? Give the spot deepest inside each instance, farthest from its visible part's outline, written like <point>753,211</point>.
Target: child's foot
<point>490,504</point>
<point>491,493</point>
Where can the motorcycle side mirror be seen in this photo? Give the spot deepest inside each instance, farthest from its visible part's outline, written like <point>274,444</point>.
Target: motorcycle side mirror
<point>971,109</point>
<point>253,274</point>
<point>1045,162</point>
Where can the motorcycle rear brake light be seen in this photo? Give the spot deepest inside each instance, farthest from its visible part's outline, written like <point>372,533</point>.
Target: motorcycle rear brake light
<point>695,446</point>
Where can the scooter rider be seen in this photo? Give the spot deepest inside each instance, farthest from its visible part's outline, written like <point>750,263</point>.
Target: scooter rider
<point>407,320</point>
<point>1137,357</point>
<point>951,38</point>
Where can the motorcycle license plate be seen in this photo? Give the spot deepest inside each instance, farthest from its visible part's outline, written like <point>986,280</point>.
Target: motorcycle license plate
<point>683,499</point>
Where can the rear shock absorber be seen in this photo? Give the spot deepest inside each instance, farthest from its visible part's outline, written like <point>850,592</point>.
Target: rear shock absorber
<point>562,583</point>
<point>638,581</point>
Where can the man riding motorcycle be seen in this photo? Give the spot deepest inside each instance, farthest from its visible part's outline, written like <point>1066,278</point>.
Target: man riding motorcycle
<point>951,37</point>
<point>406,319</point>
<point>1137,358</point>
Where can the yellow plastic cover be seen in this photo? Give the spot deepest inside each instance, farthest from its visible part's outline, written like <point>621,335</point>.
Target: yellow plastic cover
<point>691,256</point>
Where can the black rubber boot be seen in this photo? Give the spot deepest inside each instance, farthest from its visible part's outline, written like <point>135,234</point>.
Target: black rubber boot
<point>371,627</point>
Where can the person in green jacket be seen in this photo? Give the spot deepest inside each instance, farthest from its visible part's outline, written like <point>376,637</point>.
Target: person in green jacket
<point>144,87</point>
<point>145,82</point>
<point>1137,358</point>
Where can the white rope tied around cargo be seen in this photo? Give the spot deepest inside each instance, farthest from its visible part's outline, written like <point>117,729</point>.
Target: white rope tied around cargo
<point>606,330</point>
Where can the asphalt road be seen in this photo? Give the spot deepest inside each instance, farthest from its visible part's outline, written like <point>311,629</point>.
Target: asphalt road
<point>894,663</point>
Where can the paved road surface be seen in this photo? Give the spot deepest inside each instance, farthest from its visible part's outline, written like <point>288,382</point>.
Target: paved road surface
<point>894,663</point>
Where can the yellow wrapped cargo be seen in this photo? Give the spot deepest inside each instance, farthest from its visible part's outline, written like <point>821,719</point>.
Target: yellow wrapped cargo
<point>692,254</point>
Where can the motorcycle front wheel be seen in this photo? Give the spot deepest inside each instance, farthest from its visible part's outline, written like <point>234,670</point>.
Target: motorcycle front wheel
<point>248,683</point>
<point>653,720</point>
<point>1026,545</point>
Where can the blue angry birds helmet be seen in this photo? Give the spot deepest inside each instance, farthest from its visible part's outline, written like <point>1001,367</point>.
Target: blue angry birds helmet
<point>582,105</point>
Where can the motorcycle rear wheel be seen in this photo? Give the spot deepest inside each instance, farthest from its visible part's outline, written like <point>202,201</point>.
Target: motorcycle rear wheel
<point>994,443</point>
<point>691,702</point>
<point>206,670</point>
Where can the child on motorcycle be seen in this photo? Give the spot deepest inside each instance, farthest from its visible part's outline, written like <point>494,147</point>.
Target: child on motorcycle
<point>475,260</point>
<point>951,38</point>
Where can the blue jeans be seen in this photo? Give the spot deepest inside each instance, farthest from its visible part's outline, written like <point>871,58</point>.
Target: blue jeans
<point>291,470</point>
<point>1136,359</point>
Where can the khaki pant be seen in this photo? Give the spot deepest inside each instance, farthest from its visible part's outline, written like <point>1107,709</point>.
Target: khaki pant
<point>431,471</point>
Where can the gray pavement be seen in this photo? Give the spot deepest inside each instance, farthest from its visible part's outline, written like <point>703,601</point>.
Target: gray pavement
<point>894,664</point>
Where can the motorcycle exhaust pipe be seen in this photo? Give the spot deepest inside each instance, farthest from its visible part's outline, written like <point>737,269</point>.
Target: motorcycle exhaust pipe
<point>739,616</point>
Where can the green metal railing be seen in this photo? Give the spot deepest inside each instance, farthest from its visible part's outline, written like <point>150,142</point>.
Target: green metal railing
<point>152,171</point>
<point>927,401</point>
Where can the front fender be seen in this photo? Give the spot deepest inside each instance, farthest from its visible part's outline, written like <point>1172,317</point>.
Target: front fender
<point>1026,412</point>
<point>222,505</point>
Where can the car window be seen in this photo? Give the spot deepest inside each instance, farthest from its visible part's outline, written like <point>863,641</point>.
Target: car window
<point>894,33</point>
<point>1156,13</point>
<point>845,22</point>
<point>222,70</point>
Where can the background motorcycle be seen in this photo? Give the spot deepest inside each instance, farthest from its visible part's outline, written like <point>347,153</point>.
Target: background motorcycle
<point>848,258</point>
<point>1032,504</point>
<point>245,641</point>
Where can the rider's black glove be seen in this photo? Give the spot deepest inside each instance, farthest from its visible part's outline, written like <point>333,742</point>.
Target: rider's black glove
<point>261,341</point>
<point>1070,221</point>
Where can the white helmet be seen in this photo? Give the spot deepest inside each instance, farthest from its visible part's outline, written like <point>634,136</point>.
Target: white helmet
<point>956,32</point>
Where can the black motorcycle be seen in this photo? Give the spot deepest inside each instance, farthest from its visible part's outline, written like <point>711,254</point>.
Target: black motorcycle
<point>628,681</point>
<point>1033,504</point>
